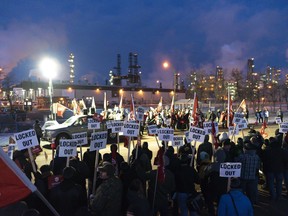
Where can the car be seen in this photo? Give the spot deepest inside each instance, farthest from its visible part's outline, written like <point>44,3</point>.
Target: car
<point>75,124</point>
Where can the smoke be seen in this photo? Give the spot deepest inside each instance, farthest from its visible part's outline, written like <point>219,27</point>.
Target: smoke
<point>21,40</point>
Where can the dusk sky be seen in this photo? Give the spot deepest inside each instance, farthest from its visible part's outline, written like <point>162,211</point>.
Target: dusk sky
<point>192,35</point>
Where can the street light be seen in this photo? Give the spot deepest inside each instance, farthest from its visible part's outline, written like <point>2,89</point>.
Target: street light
<point>49,68</point>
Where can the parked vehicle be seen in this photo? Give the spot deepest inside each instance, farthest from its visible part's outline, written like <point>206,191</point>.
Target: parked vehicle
<point>75,124</point>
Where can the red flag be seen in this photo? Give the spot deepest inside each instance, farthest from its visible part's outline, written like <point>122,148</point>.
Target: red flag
<point>195,109</point>
<point>14,185</point>
<point>262,130</point>
<point>60,109</point>
<point>214,136</point>
<point>161,172</point>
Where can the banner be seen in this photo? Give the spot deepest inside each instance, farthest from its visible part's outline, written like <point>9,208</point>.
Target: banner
<point>140,114</point>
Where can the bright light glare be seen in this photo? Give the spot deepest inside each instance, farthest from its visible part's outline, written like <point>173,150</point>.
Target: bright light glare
<point>166,64</point>
<point>49,67</point>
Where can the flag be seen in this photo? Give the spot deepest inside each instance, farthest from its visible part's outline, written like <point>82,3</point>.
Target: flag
<point>14,184</point>
<point>161,167</point>
<point>104,113</point>
<point>230,110</point>
<point>243,105</point>
<point>159,107</point>
<point>93,105</point>
<point>262,130</point>
<point>76,108</point>
<point>172,106</point>
<point>60,109</point>
<point>214,136</point>
<point>120,104</point>
<point>131,115</point>
<point>195,109</point>
<point>82,102</point>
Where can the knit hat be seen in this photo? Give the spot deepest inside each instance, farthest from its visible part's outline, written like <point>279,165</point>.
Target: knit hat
<point>235,183</point>
<point>108,168</point>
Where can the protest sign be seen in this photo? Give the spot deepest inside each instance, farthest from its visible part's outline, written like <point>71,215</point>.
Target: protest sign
<point>230,169</point>
<point>80,138</point>
<point>165,134</point>
<point>140,114</point>
<point>207,126</point>
<point>98,140</point>
<point>131,129</point>
<point>152,129</point>
<point>278,120</point>
<point>26,139</point>
<point>117,126</point>
<point>67,148</point>
<point>237,118</point>
<point>283,127</point>
<point>93,124</point>
<point>186,133</point>
<point>242,125</point>
<point>197,134</point>
<point>178,141</point>
<point>233,130</point>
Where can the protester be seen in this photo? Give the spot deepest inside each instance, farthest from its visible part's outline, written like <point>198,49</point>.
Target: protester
<point>68,198</point>
<point>249,171</point>
<point>235,202</point>
<point>207,147</point>
<point>38,130</point>
<point>275,160</point>
<point>116,158</point>
<point>108,196</point>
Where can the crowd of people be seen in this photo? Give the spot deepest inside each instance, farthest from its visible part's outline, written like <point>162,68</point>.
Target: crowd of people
<point>134,188</point>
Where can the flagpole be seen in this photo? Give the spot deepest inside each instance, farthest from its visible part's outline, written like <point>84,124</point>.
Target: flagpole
<point>228,112</point>
<point>45,201</point>
<point>129,146</point>
<point>32,160</point>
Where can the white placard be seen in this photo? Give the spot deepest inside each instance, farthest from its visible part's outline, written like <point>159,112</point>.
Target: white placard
<point>98,140</point>
<point>152,129</point>
<point>237,118</point>
<point>131,129</point>
<point>186,133</point>
<point>231,130</point>
<point>117,126</point>
<point>93,124</point>
<point>165,134</point>
<point>26,139</point>
<point>283,127</point>
<point>140,114</point>
<point>109,124</point>
<point>230,169</point>
<point>80,138</point>
<point>208,127</point>
<point>242,125</point>
<point>277,120</point>
<point>178,141</point>
<point>197,134</point>
<point>67,148</point>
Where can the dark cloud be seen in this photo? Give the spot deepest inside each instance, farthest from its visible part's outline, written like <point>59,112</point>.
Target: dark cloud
<point>192,35</point>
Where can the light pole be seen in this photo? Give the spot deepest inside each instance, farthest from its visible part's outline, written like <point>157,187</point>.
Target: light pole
<point>49,68</point>
<point>166,65</point>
